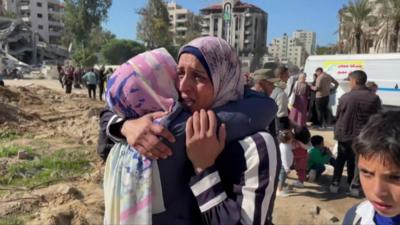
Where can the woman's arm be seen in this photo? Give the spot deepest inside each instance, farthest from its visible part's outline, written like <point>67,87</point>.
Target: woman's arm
<point>250,200</point>
<point>141,133</point>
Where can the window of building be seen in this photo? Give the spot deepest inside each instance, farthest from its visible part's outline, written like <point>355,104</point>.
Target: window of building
<point>215,22</point>
<point>39,15</point>
<point>38,4</point>
<point>181,17</point>
<point>40,27</point>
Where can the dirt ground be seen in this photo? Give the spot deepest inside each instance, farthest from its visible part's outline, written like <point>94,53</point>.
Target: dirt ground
<point>45,119</point>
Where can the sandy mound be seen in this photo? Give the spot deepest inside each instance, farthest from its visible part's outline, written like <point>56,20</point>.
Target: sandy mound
<point>50,112</point>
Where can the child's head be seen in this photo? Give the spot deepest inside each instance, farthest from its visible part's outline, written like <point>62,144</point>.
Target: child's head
<point>145,83</point>
<point>317,141</point>
<point>378,150</point>
<point>302,134</point>
<point>285,136</point>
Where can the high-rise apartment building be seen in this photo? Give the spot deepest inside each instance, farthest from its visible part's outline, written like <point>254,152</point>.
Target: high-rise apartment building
<point>178,18</point>
<point>288,50</point>
<point>242,24</point>
<point>307,39</point>
<point>44,17</point>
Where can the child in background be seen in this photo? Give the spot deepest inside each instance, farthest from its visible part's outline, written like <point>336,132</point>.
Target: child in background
<point>378,150</point>
<point>318,156</point>
<point>285,147</point>
<point>301,138</point>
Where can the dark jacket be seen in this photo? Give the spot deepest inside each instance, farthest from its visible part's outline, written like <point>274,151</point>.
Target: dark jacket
<point>353,112</point>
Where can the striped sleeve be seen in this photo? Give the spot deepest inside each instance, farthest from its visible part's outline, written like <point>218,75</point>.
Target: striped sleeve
<point>208,189</point>
<point>252,199</point>
<point>113,120</point>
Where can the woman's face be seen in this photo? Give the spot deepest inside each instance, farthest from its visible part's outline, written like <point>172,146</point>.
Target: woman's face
<point>194,85</point>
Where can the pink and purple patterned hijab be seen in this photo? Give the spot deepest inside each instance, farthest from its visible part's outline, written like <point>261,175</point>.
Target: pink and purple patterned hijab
<point>144,84</point>
<point>224,67</point>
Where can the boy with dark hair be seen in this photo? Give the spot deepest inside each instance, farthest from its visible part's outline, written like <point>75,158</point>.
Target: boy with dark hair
<point>378,149</point>
<point>318,156</point>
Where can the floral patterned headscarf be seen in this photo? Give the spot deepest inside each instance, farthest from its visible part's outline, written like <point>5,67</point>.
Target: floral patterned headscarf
<point>144,84</point>
<point>224,67</point>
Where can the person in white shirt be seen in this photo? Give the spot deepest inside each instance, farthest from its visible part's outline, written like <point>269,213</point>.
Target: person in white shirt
<point>285,147</point>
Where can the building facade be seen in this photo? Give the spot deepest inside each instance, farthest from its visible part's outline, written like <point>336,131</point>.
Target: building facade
<point>307,39</point>
<point>178,18</point>
<point>44,17</point>
<point>288,50</point>
<point>243,25</point>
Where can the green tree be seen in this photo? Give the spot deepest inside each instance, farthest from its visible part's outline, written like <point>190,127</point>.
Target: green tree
<point>153,27</point>
<point>355,16</point>
<point>8,14</point>
<point>389,29</point>
<point>116,51</point>
<point>80,18</point>
<point>84,57</point>
<point>100,37</point>
<point>322,50</point>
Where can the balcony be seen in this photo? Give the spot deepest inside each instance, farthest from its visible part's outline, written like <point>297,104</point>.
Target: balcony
<point>24,3</point>
<point>54,18</point>
<point>54,2</point>
<point>55,33</point>
<point>205,33</point>
<point>26,18</point>
<point>54,11</point>
<point>248,23</point>
<point>205,24</point>
<point>181,28</point>
<point>25,8</point>
<point>56,23</point>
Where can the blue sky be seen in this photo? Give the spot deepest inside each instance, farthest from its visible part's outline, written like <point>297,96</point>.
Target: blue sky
<point>285,16</point>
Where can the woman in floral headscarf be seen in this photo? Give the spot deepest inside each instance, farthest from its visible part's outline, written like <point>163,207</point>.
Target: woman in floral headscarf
<point>221,183</point>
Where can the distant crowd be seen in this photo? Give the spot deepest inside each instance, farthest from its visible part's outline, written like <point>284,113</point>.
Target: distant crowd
<point>90,78</point>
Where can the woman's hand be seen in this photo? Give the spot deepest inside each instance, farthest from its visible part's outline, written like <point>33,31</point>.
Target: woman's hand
<point>143,134</point>
<point>202,144</point>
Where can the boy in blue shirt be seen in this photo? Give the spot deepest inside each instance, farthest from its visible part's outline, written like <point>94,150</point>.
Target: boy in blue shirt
<point>378,150</point>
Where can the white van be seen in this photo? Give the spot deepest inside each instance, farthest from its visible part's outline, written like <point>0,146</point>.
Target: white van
<point>383,69</point>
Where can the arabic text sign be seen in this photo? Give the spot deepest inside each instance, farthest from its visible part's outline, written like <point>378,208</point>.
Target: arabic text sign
<point>341,69</point>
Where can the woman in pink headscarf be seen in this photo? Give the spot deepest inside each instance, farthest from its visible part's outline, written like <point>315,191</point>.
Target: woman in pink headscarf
<point>211,181</point>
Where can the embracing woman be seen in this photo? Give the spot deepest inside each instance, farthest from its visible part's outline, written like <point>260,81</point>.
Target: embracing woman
<point>205,180</point>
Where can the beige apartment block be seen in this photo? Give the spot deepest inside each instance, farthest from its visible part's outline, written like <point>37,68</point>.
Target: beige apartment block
<point>287,49</point>
<point>307,39</point>
<point>248,26</point>
<point>178,18</point>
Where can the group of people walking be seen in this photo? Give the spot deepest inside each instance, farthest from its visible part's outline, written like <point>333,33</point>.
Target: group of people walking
<point>190,142</point>
<point>91,78</point>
